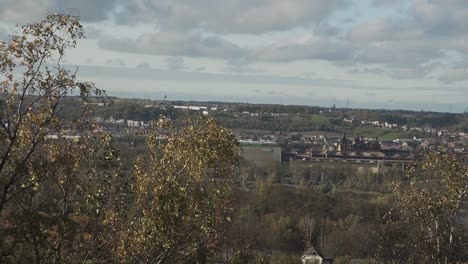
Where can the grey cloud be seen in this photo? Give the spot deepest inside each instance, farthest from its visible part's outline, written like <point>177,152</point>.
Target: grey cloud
<point>369,70</point>
<point>87,10</point>
<point>314,49</point>
<point>175,63</point>
<point>427,70</point>
<point>454,75</point>
<point>255,16</point>
<point>374,70</point>
<point>417,37</point>
<point>309,74</point>
<point>385,29</point>
<point>390,55</point>
<point>241,65</point>
<point>348,20</point>
<point>399,53</point>
<point>143,65</point>
<point>190,76</point>
<point>116,62</point>
<point>91,32</point>
<point>424,19</point>
<point>441,17</point>
<point>196,44</point>
<point>4,34</point>
<point>174,44</point>
<point>370,31</point>
<point>459,44</point>
<point>324,29</point>
<point>387,3</point>
<point>25,11</point>
<point>145,11</point>
<point>409,73</point>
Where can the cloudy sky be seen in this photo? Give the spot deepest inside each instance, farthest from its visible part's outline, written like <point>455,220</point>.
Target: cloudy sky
<point>396,54</point>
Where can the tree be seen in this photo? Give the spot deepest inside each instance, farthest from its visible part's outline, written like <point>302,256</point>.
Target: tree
<point>181,195</point>
<point>426,211</point>
<point>33,83</point>
<point>65,200</point>
<point>307,226</point>
<point>51,194</point>
<point>65,216</point>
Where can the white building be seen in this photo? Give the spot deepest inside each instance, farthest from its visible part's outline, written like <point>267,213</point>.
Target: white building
<point>311,256</point>
<point>133,123</point>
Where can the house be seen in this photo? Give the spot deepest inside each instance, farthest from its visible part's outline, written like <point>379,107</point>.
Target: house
<point>312,256</point>
<point>133,123</point>
<point>98,119</point>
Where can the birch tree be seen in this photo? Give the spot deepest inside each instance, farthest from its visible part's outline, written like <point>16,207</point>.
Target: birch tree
<point>51,198</point>
<point>181,194</point>
<point>427,208</point>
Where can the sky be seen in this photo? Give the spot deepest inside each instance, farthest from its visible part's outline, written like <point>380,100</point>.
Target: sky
<point>385,54</point>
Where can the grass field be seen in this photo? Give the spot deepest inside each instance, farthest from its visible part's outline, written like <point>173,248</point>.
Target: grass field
<point>373,132</point>
<point>312,125</point>
<point>322,120</point>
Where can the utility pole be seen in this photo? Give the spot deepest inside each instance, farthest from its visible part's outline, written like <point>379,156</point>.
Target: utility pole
<point>321,235</point>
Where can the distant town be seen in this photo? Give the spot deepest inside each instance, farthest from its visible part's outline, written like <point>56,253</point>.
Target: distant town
<point>339,135</point>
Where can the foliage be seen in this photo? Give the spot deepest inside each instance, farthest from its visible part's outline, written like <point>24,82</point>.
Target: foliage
<point>131,110</point>
<point>54,193</point>
<point>427,209</point>
<point>278,123</point>
<point>32,85</point>
<point>62,217</point>
<point>376,132</point>
<point>181,195</point>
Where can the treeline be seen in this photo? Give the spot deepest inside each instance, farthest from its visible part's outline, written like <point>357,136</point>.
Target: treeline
<point>271,123</point>
<point>350,213</point>
<point>414,119</point>
<point>272,108</point>
<point>276,221</point>
<point>133,111</point>
<point>295,118</point>
<point>283,210</point>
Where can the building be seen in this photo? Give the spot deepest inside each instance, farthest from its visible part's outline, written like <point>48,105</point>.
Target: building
<point>262,156</point>
<point>133,123</point>
<point>312,256</point>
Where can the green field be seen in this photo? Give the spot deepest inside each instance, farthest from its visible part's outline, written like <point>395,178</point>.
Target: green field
<point>373,132</point>
<point>322,120</point>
